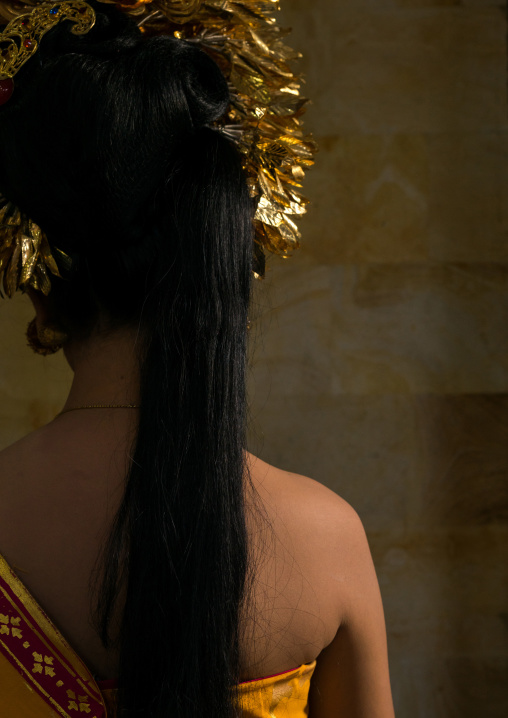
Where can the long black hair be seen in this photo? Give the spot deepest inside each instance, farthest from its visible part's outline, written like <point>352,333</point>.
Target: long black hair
<point>106,144</point>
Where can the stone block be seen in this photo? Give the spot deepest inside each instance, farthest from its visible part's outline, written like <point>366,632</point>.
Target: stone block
<point>401,69</point>
<point>291,329</point>
<point>462,460</point>
<point>362,447</point>
<point>420,329</point>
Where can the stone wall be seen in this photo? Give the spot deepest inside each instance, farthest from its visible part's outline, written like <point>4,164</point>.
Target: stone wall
<point>381,348</point>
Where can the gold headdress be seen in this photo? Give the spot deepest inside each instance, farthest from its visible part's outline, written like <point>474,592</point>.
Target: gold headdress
<point>264,118</point>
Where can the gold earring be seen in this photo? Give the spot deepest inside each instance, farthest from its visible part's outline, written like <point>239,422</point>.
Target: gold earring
<point>46,340</point>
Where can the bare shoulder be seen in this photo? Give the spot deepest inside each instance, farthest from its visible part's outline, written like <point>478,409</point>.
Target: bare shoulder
<point>319,514</point>
<point>325,530</point>
<point>351,676</point>
<point>299,491</point>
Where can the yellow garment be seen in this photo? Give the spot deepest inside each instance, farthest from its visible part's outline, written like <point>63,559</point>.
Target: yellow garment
<point>41,676</point>
<point>282,696</point>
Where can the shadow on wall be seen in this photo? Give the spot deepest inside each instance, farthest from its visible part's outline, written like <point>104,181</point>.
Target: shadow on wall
<point>381,364</point>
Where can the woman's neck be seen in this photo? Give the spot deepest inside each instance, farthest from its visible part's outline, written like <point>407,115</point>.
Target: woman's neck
<point>106,369</point>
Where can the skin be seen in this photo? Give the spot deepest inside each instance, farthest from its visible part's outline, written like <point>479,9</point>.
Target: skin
<point>315,593</point>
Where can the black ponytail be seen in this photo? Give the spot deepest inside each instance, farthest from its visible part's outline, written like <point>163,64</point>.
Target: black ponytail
<point>154,208</point>
<point>183,506</point>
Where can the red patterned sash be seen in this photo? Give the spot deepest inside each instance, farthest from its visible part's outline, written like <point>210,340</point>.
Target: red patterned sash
<point>41,655</point>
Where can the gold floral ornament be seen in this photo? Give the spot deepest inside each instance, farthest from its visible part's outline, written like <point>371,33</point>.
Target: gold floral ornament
<point>26,259</point>
<point>265,115</point>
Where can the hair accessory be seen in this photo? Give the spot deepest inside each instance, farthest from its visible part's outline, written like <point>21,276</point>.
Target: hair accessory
<point>26,259</point>
<point>263,120</point>
<point>20,39</point>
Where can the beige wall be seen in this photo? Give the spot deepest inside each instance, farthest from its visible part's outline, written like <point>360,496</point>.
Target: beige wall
<point>32,388</point>
<point>381,348</point>
<point>381,360</point>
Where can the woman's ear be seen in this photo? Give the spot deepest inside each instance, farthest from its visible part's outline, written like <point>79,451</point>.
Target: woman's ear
<point>43,336</point>
<point>42,307</point>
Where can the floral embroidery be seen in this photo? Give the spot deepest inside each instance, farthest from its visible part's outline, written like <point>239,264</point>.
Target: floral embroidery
<point>11,630</point>
<point>48,675</point>
<point>81,704</point>
<point>38,665</point>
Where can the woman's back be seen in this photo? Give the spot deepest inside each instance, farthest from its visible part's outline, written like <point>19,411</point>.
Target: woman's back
<point>59,489</point>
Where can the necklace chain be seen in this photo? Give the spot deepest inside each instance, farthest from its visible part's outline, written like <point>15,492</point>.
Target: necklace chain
<point>100,406</point>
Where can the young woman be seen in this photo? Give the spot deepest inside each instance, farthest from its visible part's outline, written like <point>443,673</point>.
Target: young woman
<point>150,566</point>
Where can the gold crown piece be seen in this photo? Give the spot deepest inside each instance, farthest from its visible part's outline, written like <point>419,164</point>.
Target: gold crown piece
<point>20,39</point>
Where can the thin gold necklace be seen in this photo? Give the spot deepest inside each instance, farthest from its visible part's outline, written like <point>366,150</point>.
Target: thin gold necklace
<point>100,406</point>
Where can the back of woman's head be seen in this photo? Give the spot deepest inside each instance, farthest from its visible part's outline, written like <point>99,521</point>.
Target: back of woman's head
<point>105,144</point>
<point>99,135</point>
